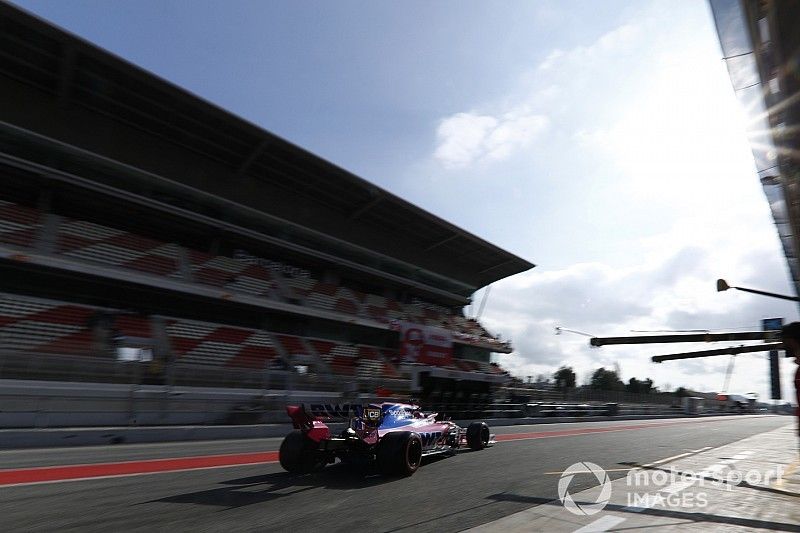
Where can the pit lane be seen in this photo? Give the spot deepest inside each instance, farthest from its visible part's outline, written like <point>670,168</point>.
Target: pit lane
<point>447,494</point>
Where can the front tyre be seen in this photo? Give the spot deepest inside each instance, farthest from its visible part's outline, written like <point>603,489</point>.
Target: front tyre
<point>478,435</point>
<point>297,454</point>
<point>399,453</point>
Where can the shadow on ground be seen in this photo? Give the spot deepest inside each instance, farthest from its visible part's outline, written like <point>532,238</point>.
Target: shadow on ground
<point>251,490</point>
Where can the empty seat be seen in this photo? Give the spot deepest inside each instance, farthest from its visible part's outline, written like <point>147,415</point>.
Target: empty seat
<point>19,225</point>
<point>377,313</point>
<point>368,352</point>
<point>293,345</point>
<point>390,371</point>
<point>345,350</point>
<point>342,364</point>
<point>346,306</point>
<point>247,284</point>
<point>87,241</point>
<point>133,326</point>
<point>253,356</point>
<point>368,368</point>
<point>321,301</point>
<point>28,324</point>
<point>203,343</point>
<point>327,289</point>
<point>323,348</point>
<point>301,286</point>
<point>375,300</point>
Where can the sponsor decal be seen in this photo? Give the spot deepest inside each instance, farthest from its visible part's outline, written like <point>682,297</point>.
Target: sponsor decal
<point>425,344</point>
<point>429,438</point>
<point>335,410</point>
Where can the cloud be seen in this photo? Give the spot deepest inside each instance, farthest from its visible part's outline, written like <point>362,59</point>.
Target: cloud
<point>551,59</point>
<point>464,138</point>
<point>647,195</point>
<point>498,130</point>
<point>667,290</point>
<point>620,37</point>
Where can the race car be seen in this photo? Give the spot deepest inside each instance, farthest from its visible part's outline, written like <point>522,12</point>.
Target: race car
<point>390,437</point>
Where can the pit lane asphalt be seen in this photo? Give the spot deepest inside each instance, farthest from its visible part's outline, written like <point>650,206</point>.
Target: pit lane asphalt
<point>446,494</point>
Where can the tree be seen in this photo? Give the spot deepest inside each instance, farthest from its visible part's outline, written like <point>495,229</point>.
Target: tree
<point>680,392</point>
<point>564,378</point>
<point>603,379</point>
<point>640,387</point>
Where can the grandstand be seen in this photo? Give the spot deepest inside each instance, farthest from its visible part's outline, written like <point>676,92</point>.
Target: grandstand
<point>140,224</point>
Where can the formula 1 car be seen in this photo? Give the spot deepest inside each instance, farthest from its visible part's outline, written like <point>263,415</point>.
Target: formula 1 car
<point>390,437</point>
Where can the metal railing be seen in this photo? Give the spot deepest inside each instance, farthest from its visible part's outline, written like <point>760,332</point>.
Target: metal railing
<point>120,407</point>
<point>583,394</point>
<point>15,365</point>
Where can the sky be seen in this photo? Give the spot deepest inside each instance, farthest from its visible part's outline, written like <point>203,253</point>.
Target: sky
<point>601,141</point>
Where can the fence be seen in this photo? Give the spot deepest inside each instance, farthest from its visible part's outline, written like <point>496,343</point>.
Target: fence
<point>119,405</point>
<point>14,365</point>
<point>29,404</point>
<point>584,394</point>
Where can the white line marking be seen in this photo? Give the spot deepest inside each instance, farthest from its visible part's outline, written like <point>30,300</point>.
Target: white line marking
<point>702,449</point>
<point>677,487</point>
<point>601,524</point>
<point>712,470</point>
<point>666,459</point>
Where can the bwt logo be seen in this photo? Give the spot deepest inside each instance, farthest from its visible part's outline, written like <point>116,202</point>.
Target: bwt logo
<point>429,439</point>
<point>334,410</point>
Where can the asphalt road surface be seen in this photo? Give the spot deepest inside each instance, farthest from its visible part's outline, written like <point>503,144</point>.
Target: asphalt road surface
<point>238,485</point>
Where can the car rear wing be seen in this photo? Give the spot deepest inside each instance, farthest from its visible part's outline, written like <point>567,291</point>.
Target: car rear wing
<point>304,416</point>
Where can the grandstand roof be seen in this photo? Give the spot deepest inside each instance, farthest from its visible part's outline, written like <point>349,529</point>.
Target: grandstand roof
<point>761,46</point>
<point>91,99</point>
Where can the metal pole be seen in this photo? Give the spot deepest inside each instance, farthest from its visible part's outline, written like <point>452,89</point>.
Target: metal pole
<point>722,351</point>
<point>771,294</point>
<point>774,335</point>
<point>483,302</point>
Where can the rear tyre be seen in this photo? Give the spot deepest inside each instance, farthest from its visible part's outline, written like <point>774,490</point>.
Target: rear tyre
<point>399,453</point>
<point>478,435</point>
<point>297,454</point>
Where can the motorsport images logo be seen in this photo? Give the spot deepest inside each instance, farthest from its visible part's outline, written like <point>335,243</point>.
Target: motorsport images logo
<point>584,509</point>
